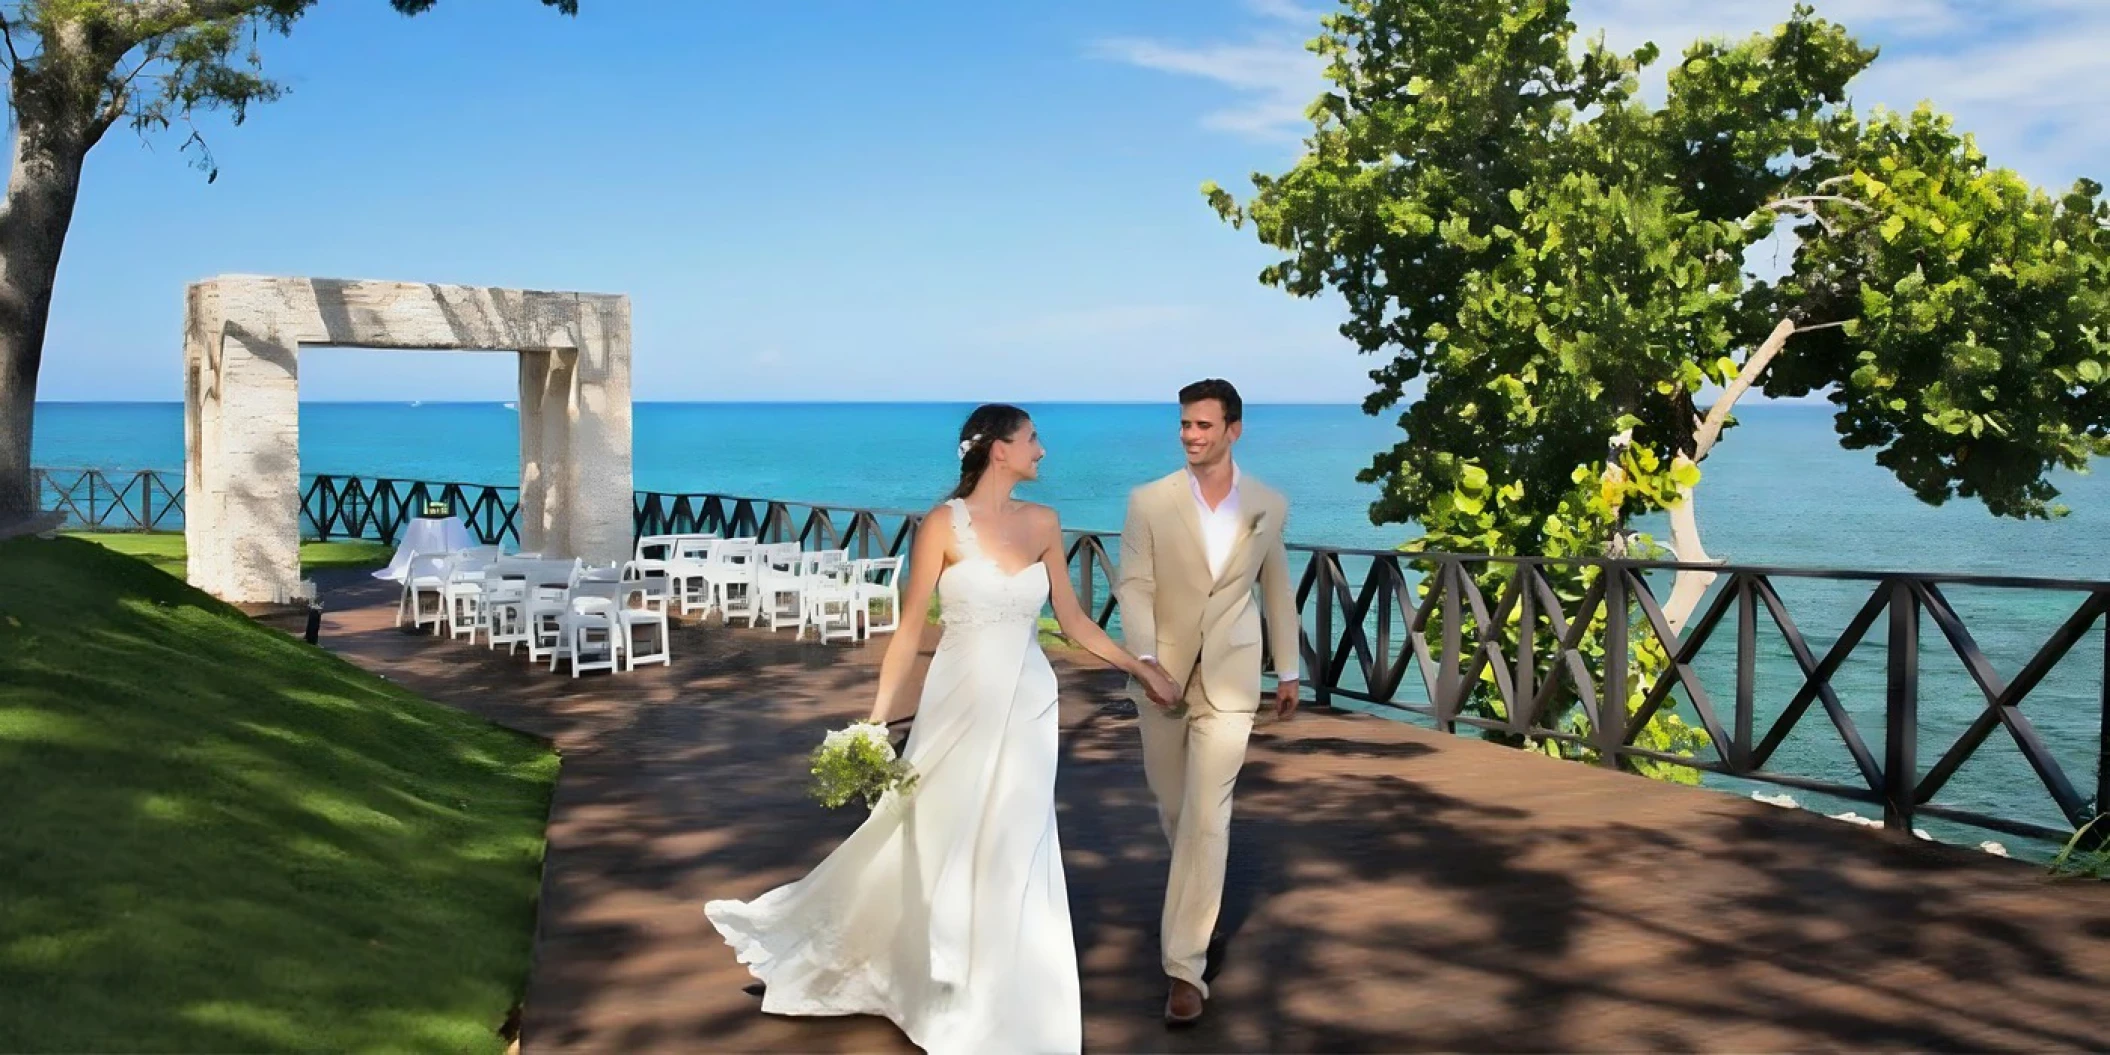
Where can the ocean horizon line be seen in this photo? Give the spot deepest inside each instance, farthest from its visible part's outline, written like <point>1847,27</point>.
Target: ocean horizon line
<point>727,402</point>
<point>1809,403</point>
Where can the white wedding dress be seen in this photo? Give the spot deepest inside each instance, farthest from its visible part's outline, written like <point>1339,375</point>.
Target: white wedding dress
<point>946,910</point>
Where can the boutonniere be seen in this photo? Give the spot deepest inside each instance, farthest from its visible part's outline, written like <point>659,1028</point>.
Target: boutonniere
<point>1253,523</point>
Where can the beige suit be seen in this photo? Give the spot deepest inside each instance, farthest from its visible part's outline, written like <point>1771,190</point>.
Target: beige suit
<point>1205,630</point>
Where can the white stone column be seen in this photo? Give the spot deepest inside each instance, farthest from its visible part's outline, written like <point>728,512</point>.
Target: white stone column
<point>600,514</point>
<point>242,339</point>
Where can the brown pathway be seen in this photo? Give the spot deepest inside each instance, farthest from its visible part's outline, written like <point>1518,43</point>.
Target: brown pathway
<point>1391,890</point>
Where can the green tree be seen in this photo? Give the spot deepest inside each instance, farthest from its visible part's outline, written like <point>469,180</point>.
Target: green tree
<point>75,69</point>
<point>1561,264</point>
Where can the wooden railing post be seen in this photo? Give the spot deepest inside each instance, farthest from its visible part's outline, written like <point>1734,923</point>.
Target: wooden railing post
<point>1321,674</point>
<point>2101,835</point>
<point>320,492</point>
<point>1450,579</point>
<point>1087,577</point>
<point>1527,659</point>
<point>1901,710</point>
<point>1746,672</point>
<point>1610,725</point>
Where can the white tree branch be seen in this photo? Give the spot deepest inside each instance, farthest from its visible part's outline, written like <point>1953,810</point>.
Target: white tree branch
<point>1689,587</point>
<point>1806,203</point>
<point>1717,417</point>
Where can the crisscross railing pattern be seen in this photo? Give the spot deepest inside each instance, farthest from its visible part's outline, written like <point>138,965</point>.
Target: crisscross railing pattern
<point>112,499</point>
<point>1523,649</point>
<point>1429,615</point>
<point>378,508</point>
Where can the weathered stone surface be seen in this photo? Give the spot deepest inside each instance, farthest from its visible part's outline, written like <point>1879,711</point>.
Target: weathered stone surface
<point>242,339</point>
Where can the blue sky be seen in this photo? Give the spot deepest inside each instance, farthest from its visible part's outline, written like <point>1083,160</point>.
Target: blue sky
<point>841,200</point>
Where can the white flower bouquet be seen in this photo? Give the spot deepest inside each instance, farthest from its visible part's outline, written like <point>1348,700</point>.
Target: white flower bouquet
<point>858,762</point>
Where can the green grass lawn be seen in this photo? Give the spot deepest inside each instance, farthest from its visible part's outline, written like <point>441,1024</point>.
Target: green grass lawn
<point>164,550</point>
<point>217,838</point>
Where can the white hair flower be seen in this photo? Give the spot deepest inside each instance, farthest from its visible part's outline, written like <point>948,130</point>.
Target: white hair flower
<point>968,445</point>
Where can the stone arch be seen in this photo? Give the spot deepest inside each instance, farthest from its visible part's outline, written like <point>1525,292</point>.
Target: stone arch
<point>241,349</point>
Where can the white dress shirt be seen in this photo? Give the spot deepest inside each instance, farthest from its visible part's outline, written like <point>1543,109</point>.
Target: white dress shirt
<point>1219,525</point>
<point>1220,536</point>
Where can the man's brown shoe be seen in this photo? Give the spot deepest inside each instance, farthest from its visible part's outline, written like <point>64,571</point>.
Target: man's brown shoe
<point>1183,1005</point>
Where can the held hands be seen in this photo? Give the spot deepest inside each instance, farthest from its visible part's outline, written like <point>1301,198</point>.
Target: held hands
<point>1157,684</point>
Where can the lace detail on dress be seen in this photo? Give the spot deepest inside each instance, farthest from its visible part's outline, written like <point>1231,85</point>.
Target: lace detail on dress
<point>1011,600</point>
<point>963,536</point>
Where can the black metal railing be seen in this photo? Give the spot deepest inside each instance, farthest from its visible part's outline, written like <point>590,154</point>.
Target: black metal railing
<point>378,508</point>
<point>1518,648</point>
<point>111,499</point>
<point>1378,625</point>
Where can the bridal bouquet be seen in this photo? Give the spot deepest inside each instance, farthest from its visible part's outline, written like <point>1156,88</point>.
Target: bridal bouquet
<point>858,763</point>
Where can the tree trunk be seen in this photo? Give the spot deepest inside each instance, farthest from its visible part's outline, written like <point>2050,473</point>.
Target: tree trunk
<point>42,185</point>
<point>1690,586</point>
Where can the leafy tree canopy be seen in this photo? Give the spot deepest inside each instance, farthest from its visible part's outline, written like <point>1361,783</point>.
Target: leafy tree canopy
<point>1561,262</point>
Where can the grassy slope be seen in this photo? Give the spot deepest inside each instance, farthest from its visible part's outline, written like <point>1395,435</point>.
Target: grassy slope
<point>164,550</point>
<point>218,838</point>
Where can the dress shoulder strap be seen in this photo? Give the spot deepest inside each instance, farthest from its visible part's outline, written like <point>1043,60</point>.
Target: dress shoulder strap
<point>963,530</point>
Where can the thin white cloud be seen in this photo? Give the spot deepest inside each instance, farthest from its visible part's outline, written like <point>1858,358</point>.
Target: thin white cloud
<point>2007,70</point>
<point>2012,71</point>
<point>1270,74</point>
<point>2024,100</point>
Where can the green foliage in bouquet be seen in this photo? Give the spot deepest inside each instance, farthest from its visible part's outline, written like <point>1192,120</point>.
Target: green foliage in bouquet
<point>858,763</point>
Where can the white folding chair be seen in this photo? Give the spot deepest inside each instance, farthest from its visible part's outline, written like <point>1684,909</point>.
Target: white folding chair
<point>505,602</point>
<point>780,588</point>
<point>424,575</point>
<point>821,569</point>
<point>463,596</point>
<point>734,567</point>
<point>655,547</point>
<point>689,573</point>
<point>879,583</point>
<point>832,602</point>
<point>643,603</point>
<point>590,626</point>
<point>549,586</point>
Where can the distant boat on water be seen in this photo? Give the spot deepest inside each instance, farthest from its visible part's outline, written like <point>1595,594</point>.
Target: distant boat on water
<point>512,406</point>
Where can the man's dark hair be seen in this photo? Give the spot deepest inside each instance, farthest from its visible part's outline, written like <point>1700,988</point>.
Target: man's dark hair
<point>1219,390</point>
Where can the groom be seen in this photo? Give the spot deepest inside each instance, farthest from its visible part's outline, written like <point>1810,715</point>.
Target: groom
<point>1195,545</point>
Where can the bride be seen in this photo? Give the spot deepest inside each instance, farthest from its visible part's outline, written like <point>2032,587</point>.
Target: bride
<point>946,911</point>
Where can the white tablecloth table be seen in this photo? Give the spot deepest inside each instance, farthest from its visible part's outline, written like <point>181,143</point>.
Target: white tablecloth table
<point>428,535</point>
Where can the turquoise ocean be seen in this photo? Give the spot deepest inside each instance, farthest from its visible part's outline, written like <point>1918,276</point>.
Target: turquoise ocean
<point>1779,491</point>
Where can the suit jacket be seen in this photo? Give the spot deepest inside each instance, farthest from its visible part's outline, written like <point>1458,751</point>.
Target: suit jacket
<point>1172,608</point>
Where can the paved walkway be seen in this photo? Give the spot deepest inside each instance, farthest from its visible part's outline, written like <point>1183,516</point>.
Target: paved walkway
<point>1391,889</point>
